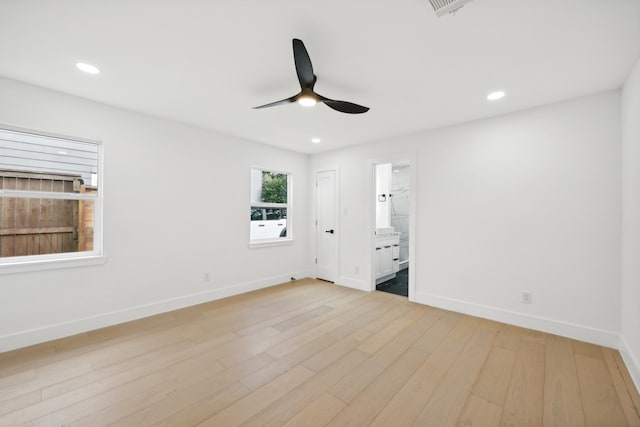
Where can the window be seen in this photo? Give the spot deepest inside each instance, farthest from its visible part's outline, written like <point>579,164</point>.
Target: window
<point>49,198</point>
<point>270,206</point>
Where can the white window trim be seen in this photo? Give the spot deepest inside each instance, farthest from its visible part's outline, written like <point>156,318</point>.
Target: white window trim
<point>80,259</point>
<point>21,264</point>
<point>270,242</point>
<point>264,243</point>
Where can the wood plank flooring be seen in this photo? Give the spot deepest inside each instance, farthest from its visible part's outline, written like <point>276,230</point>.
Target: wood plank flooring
<point>309,353</point>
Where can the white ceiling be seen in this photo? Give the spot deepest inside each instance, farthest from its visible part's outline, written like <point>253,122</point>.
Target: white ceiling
<point>207,62</point>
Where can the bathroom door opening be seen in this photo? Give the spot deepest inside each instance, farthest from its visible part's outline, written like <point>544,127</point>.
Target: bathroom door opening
<point>393,216</point>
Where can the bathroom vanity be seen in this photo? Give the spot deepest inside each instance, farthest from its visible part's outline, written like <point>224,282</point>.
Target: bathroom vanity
<point>387,258</point>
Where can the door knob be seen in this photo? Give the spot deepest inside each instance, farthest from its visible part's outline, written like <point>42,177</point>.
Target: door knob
<point>328,231</point>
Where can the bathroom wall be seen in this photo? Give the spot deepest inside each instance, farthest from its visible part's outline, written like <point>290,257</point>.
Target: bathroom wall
<point>399,204</point>
<point>383,188</point>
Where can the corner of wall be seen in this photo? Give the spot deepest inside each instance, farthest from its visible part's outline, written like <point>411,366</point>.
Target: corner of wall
<point>630,320</point>
<point>633,364</point>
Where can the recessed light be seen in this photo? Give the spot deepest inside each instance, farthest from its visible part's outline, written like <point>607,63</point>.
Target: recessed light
<point>87,68</point>
<point>494,96</point>
<point>315,140</point>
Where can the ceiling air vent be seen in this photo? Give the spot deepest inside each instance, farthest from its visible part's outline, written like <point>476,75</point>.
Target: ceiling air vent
<point>442,7</point>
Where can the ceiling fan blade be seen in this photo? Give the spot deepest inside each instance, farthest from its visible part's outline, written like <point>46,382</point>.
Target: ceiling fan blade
<point>304,69</point>
<point>273,104</point>
<point>344,106</point>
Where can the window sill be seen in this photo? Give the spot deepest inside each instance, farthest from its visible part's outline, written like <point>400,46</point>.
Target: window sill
<point>269,243</point>
<point>51,264</point>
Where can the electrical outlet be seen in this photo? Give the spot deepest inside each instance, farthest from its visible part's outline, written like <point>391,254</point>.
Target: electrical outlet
<point>527,297</point>
<point>356,269</point>
<point>206,277</point>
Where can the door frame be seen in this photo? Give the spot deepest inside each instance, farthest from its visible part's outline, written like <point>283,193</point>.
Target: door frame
<point>410,159</point>
<point>336,220</point>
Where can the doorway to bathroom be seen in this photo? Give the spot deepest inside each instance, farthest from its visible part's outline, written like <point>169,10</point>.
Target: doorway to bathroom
<point>393,243</point>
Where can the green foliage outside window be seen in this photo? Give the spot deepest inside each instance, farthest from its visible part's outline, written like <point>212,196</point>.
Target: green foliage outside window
<point>274,187</point>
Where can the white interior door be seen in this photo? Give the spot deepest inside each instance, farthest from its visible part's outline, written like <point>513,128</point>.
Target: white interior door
<point>326,232</point>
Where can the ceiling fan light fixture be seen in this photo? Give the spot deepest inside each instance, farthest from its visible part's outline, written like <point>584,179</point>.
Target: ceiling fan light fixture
<point>307,101</point>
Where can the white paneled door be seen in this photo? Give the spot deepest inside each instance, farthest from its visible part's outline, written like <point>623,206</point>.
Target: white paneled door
<point>326,232</point>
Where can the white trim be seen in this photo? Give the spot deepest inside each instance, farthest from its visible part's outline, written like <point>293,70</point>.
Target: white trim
<point>76,326</point>
<point>566,329</point>
<point>23,129</point>
<point>25,266</point>
<point>29,263</point>
<point>256,243</point>
<point>360,285</point>
<point>269,243</point>
<point>633,364</point>
<point>268,169</point>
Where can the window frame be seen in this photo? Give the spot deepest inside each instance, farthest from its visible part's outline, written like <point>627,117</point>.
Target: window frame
<point>277,241</point>
<point>26,263</point>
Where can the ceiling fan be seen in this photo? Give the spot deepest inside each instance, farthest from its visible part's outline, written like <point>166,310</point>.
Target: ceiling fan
<point>307,79</point>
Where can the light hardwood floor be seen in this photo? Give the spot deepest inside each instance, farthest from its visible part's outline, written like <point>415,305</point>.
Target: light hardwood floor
<point>309,353</point>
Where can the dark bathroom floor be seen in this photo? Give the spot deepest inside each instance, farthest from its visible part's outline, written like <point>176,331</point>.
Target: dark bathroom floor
<point>399,285</point>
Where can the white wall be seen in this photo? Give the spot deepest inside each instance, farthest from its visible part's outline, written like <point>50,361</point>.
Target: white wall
<point>176,206</point>
<point>526,201</point>
<point>630,324</point>
<point>383,201</point>
<point>400,205</point>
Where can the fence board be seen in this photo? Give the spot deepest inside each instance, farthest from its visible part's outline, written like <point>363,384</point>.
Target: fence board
<point>86,220</point>
<point>22,218</point>
<point>7,218</point>
<point>33,240</point>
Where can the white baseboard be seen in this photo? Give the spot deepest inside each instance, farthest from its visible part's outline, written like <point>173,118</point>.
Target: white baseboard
<point>385,278</point>
<point>64,329</point>
<point>632,362</point>
<point>570,330</point>
<point>354,284</point>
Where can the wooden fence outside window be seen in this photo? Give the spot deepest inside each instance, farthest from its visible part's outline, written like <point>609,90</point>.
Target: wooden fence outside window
<point>35,226</point>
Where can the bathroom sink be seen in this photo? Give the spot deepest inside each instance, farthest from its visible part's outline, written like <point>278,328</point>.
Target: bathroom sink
<point>386,230</point>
